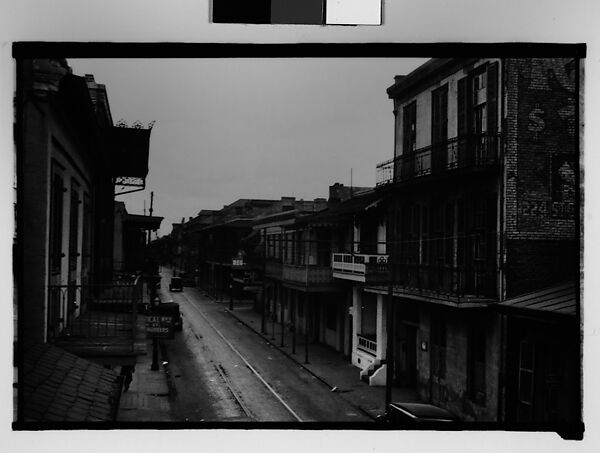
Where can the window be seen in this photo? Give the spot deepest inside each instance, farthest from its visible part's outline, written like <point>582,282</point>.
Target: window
<point>368,316</point>
<point>410,128</point>
<point>477,346</point>
<point>439,127</point>
<point>56,224</point>
<point>330,316</point>
<point>74,227</point>
<point>526,384</point>
<point>86,240</point>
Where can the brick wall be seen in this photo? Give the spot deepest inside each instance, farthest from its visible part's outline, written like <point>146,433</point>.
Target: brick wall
<point>541,154</point>
<point>541,161</point>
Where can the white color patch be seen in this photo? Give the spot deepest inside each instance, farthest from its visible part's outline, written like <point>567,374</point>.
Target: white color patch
<point>353,12</point>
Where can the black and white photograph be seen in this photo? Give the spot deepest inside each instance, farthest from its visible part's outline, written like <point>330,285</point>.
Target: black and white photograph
<point>333,240</point>
<point>365,240</point>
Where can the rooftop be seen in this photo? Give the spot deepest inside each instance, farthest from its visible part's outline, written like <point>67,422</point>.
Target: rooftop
<point>59,386</point>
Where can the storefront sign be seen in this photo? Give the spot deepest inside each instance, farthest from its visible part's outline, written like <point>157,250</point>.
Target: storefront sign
<point>159,327</point>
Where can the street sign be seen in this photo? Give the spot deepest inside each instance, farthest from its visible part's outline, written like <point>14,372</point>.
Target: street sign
<point>159,326</point>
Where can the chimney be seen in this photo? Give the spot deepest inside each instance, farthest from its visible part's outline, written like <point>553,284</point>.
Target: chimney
<point>336,193</point>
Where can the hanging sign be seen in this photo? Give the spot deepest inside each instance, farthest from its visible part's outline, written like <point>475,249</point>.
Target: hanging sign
<point>159,326</point>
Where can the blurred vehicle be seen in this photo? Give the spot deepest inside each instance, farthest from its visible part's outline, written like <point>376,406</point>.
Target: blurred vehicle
<point>419,414</point>
<point>171,309</point>
<point>176,284</point>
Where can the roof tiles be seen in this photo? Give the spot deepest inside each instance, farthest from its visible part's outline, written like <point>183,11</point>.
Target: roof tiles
<point>59,386</point>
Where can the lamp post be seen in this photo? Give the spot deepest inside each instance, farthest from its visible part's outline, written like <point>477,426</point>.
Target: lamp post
<point>231,291</point>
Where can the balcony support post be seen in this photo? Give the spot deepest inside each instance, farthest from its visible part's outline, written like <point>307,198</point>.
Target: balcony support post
<point>263,326</point>
<point>274,311</point>
<point>283,319</point>
<point>306,312</point>
<point>293,325</point>
<point>389,354</point>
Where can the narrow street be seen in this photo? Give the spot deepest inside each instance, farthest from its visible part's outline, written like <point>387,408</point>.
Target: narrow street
<point>222,371</point>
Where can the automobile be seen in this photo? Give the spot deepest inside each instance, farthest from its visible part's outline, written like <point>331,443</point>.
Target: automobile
<point>420,414</point>
<point>176,284</point>
<point>171,309</point>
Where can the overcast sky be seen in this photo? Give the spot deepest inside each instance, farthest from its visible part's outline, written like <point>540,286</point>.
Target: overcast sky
<point>251,128</point>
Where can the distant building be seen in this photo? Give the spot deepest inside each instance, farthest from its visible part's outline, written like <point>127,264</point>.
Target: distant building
<point>131,239</point>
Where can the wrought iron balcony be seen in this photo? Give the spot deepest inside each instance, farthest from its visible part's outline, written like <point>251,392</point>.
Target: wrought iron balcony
<point>470,152</point>
<point>464,282</point>
<point>360,267</point>
<point>310,275</point>
<point>85,318</point>
<point>299,274</point>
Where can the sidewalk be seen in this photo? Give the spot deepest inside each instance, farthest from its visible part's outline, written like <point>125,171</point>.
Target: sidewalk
<point>148,396</point>
<point>326,364</point>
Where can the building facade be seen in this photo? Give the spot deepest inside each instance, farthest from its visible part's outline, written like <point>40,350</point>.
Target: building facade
<point>71,160</point>
<point>483,198</point>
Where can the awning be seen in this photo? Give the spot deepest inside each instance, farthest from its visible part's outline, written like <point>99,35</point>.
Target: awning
<point>560,299</point>
<point>58,386</point>
<point>145,222</point>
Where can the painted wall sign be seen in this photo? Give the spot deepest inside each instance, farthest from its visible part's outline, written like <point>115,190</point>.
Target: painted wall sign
<point>546,174</point>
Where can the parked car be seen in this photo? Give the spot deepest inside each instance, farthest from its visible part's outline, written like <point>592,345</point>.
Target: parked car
<point>176,284</point>
<point>420,414</point>
<point>172,309</point>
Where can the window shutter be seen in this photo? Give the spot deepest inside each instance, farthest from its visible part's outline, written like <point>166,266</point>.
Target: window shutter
<point>463,122</point>
<point>492,98</point>
<point>462,107</point>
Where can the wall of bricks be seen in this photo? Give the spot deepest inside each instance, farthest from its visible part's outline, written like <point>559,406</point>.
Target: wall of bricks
<point>541,161</point>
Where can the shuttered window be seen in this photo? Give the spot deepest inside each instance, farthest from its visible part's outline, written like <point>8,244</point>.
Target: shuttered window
<point>410,128</point>
<point>56,223</point>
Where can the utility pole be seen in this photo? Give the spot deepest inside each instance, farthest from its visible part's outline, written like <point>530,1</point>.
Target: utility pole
<point>264,281</point>
<point>389,354</point>
<point>231,291</point>
<point>152,280</point>
<point>306,298</point>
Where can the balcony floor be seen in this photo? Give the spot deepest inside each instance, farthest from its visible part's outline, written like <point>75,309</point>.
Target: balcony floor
<point>431,296</point>
<point>101,333</point>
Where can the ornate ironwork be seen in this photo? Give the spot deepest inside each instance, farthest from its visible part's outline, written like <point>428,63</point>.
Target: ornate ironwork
<point>129,184</point>
<point>135,125</point>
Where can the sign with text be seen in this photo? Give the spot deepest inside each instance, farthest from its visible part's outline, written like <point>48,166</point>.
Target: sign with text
<point>159,326</point>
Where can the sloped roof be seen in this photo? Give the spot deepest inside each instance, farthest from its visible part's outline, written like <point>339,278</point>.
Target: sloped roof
<point>340,212</point>
<point>58,386</point>
<point>559,299</point>
<point>147,222</point>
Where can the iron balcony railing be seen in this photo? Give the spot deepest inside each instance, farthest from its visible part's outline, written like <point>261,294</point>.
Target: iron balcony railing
<point>469,152</point>
<point>94,310</point>
<point>307,275</point>
<point>367,344</point>
<point>302,274</point>
<point>369,267</point>
<point>475,280</point>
